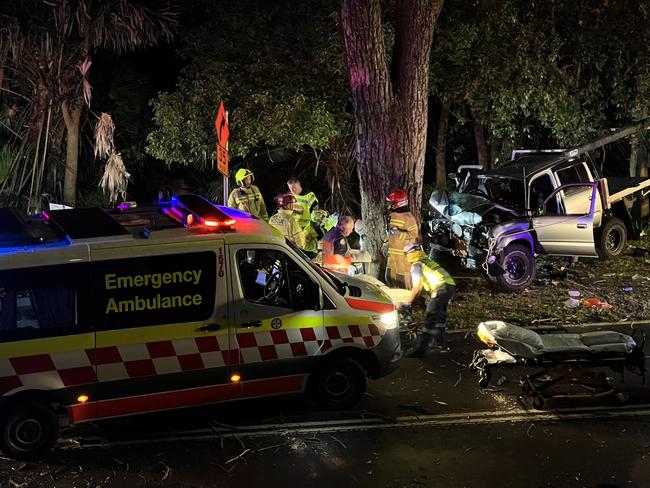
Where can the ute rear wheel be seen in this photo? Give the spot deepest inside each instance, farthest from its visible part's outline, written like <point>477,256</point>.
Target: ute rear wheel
<point>338,383</point>
<point>612,238</point>
<point>29,430</point>
<point>518,264</point>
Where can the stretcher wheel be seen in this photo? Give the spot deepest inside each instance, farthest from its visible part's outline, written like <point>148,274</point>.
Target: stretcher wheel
<point>538,402</point>
<point>28,430</point>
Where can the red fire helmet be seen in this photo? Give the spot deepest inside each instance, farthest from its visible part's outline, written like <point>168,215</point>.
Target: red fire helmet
<point>284,199</point>
<point>397,198</point>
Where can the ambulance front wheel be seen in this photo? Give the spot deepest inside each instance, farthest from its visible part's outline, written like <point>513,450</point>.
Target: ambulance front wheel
<point>339,383</point>
<point>29,430</point>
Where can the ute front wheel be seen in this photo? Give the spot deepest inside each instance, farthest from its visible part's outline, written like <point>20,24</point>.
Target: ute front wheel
<point>518,264</point>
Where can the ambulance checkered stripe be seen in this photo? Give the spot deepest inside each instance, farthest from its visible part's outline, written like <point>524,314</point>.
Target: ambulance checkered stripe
<point>72,368</point>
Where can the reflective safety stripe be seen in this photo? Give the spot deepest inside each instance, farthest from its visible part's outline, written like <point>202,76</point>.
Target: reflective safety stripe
<point>167,400</point>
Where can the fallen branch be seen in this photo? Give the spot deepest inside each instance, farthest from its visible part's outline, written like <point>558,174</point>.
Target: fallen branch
<point>239,456</point>
<point>340,442</point>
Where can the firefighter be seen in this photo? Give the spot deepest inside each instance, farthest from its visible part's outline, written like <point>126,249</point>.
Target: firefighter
<point>402,230</point>
<point>429,276</point>
<point>336,250</point>
<point>247,197</point>
<point>285,220</point>
<point>305,204</point>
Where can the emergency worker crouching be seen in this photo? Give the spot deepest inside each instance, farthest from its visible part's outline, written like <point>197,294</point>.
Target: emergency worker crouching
<point>402,230</point>
<point>336,250</point>
<point>286,221</point>
<point>305,204</point>
<point>247,197</point>
<point>437,282</point>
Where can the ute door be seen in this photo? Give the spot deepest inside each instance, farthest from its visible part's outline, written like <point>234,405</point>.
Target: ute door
<point>562,233</point>
<point>277,317</point>
<point>577,199</point>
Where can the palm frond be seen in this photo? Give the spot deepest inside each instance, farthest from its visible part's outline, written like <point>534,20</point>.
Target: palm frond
<point>115,178</point>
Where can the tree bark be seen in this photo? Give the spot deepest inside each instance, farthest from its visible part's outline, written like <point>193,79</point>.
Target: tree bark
<point>72,118</point>
<point>481,144</point>
<point>441,147</point>
<point>390,103</point>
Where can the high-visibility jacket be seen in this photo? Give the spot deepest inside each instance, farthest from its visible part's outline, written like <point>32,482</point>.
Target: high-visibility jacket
<point>431,273</point>
<point>305,204</point>
<point>248,200</point>
<point>336,251</point>
<point>407,232</point>
<point>286,222</point>
<point>303,207</point>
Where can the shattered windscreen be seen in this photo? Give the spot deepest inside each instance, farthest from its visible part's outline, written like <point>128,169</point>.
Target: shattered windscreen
<point>506,192</point>
<point>463,208</point>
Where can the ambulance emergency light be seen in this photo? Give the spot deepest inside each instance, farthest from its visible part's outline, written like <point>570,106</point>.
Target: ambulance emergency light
<point>194,209</point>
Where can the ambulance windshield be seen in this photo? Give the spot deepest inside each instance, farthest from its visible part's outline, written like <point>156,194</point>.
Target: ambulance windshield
<point>331,279</point>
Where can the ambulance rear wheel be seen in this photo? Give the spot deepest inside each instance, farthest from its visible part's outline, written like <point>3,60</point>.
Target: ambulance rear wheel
<point>29,430</point>
<point>339,383</point>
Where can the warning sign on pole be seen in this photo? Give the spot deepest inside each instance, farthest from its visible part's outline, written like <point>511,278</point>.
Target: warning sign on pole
<point>223,132</point>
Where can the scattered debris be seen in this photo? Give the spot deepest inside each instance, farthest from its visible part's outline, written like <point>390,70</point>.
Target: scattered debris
<point>574,293</point>
<point>339,441</point>
<point>441,403</point>
<point>460,377</point>
<point>572,303</point>
<point>415,408</point>
<point>529,429</point>
<point>501,380</point>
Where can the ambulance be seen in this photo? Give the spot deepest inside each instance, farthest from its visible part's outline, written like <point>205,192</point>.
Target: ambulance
<point>109,313</point>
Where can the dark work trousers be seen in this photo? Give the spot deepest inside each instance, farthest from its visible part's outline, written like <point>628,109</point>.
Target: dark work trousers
<point>435,319</point>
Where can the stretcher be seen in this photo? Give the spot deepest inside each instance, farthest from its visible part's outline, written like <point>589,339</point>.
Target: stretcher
<point>566,365</point>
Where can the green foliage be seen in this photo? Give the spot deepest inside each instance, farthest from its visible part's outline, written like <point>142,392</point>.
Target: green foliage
<point>282,86</point>
<point>566,68</point>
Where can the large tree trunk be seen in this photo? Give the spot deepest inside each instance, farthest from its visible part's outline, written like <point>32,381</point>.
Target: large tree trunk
<point>72,118</point>
<point>481,145</point>
<point>441,147</point>
<point>390,104</point>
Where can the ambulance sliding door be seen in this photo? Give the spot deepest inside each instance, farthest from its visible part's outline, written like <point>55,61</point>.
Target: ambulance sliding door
<point>162,326</point>
<point>277,317</point>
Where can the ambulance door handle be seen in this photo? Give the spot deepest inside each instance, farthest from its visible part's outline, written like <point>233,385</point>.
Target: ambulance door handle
<point>252,323</point>
<point>209,328</point>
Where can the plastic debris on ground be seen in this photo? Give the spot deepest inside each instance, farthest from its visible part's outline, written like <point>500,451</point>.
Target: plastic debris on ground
<point>572,303</point>
<point>596,303</point>
<point>574,293</point>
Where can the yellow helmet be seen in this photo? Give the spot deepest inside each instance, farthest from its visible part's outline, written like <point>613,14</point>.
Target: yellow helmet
<point>241,174</point>
<point>414,253</point>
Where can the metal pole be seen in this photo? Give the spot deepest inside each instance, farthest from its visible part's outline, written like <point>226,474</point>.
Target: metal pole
<point>225,178</point>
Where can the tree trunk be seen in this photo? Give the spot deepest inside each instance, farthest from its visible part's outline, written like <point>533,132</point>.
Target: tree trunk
<point>390,104</point>
<point>72,118</point>
<point>441,147</point>
<point>481,145</point>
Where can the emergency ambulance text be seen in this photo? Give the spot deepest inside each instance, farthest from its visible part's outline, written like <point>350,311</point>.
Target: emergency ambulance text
<point>155,280</point>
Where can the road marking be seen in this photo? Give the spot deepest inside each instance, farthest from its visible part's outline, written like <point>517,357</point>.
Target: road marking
<point>356,425</point>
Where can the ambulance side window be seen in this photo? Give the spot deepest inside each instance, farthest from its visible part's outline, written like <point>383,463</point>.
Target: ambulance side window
<point>40,302</point>
<point>273,278</point>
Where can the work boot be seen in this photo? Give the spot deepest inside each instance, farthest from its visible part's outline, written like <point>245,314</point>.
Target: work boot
<point>415,352</point>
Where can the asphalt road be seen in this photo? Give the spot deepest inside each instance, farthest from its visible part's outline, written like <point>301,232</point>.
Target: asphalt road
<point>428,424</point>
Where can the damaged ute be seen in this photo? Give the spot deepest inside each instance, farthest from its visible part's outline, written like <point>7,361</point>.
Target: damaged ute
<point>553,203</point>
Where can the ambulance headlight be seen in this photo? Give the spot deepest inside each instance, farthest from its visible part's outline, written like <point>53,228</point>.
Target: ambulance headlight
<point>389,319</point>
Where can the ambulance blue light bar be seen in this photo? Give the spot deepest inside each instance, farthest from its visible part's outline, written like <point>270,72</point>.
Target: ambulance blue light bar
<point>191,210</point>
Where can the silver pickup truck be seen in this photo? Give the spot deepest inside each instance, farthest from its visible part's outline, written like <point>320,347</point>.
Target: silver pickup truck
<point>553,203</point>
